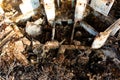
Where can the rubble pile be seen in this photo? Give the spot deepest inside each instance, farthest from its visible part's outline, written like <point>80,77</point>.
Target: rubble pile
<point>59,40</point>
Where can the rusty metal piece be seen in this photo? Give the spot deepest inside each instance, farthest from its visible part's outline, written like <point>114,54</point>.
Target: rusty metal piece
<point>79,13</point>
<point>88,28</point>
<point>68,21</point>
<point>114,27</point>
<point>102,6</point>
<point>58,3</point>
<point>73,30</point>
<point>103,18</point>
<point>80,9</point>
<point>101,38</point>
<point>53,31</point>
<point>49,7</point>
<point>32,4</point>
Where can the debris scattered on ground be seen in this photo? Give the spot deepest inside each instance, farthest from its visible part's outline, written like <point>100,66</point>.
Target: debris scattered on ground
<point>51,40</point>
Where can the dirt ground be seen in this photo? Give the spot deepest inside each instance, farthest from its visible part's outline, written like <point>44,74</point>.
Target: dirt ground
<point>20,54</point>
